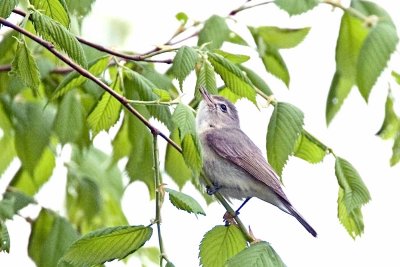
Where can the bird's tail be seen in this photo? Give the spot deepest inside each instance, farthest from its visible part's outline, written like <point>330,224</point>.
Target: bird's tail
<point>294,213</point>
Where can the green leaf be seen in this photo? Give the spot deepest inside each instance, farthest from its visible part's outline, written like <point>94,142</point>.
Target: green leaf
<point>69,121</point>
<point>32,132</point>
<point>228,94</point>
<point>374,55</point>
<point>351,220</point>
<point>80,8</point>
<point>184,119</point>
<point>206,78</point>
<point>107,111</point>
<point>53,9</point>
<point>8,152</point>
<point>50,237</point>
<point>25,67</point>
<point>296,7</point>
<point>192,153</point>
<point>396,76</point>
<point>391,123</point>
<point>162,94</point>
<point>184,63</point>
<point>30,183</point>
<point>144,87</point>
<point>6,209</point>
<point>94,190</point>
<point>184,202</point>
<point>236,39</point>
<point>6,7</point>
<point>395,150</point>
<point>220,244</point>
<point>274,64</point>
<point>214,32</point>
<point>74,79</point>
<point>257,80</point>
<point>182,18</point>
<point>284,128</point>
<point>57,34</point>
<point>309,150</point>
<point>355,192</point>
<point>260,254</point>
<point>234,58</point>
<point>280,37</point>
<point>121,144</point>
<point>175,165</point>
<point>233,77</point>
<point>4,238</point>
<point>19,200</point>
<point>107,244</point>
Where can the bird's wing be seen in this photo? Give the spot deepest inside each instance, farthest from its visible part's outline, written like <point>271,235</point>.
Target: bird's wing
<point>235,146</point>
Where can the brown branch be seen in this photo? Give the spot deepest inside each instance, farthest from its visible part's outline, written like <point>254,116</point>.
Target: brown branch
<point>90,76</point>
<point>57,70</point>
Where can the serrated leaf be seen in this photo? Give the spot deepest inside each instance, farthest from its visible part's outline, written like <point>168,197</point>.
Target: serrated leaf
<point>162,94</point>
<point>391,122</point>
<point>175,165</point>
<point>69,121</point>
<point>274,64</point>
<point>19,199</point>
<point>206,78</point>
<point>234,58</point>
<point>144,87</point>
<point>107,244</point>
<point>233,77</point>
<point>184,63</point>
<point>214,32</point>
<point>4,238</point>
<point>6,209</point>
<point>309,150</point>
<point>184,119</point>
<point>53,9</point>
<point>228,94</point>
<point>50,237</point>
<point>106,112</point>
<point>184,202</point>
<point>260,254</point>
<point>296,7</point>
<point>257,80</point>
<point>57,34</point>
<point>351,220</point>
<point>121,144</point>
<point>220,244</point>
<point>74,79</point>
<point>355,192</point>
<point>140,166</point>
<point>6,7</point>
<point>192,153</point>
<point>236,39</point>
<point>30,183</point>
<point>281,37</point>
<point>374,55</point>
<point>395,150</point>
<point>25,67</point>
<point>284,128</point>
<point>32,132</point>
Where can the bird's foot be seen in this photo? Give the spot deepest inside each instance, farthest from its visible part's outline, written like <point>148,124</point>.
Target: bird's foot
<point>229,218</point>
<point>212,189</point>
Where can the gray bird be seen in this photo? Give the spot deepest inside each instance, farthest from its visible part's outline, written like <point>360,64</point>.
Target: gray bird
<point>232,162</point>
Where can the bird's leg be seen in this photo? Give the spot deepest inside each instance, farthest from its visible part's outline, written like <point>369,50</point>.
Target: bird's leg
<point>241,206</point>
<point>212,189</point>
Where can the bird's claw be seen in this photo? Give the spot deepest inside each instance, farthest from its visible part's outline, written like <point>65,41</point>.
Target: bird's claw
<point>212,189</point>
<point>229,218</point>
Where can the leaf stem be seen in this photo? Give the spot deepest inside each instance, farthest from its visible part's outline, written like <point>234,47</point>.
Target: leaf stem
<point>159,196</point>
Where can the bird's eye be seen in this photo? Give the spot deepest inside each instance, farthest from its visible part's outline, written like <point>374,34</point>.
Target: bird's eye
<point>223,108</point>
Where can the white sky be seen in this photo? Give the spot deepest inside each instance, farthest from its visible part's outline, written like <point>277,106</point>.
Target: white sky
<point>312,189</point>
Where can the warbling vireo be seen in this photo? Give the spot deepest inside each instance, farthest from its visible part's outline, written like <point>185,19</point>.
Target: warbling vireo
<point>232,162</point>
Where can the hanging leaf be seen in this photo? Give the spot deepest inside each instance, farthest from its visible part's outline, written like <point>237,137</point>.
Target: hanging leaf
<point>284,128</point>
<point>296,7</point>
<point>309,149</point>
<point>214,32</point>
<point>275,64</point>
<point>53,9</point>
<point>107,244</point>
<point>391,123</point>
<point>184,202</point>
<point>57,34</point>
<point>351,220</point>
<point>206,78</point>
<point>234,58</point>
<point>50,237</point>
<point>280,37</point>
<point>257,80</point>
<point>4,238</point>
<point>184,119</point>
<point>184,63</point>
<point>395,150</point>
<point>220,244</point>
<point>233,77</point>
<point>121,144</point>
<point>259,254</point>
<point>25,67</point>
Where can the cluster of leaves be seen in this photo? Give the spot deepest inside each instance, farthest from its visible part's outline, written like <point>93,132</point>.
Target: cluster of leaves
<point>43,107</point>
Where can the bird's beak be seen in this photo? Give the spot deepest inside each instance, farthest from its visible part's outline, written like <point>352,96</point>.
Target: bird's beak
<point>206,96</point>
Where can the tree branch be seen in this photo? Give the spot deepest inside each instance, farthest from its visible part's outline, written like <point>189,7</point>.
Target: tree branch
<point>90,76</point>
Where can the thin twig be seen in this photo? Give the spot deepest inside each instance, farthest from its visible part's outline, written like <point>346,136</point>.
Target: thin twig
<point>90,76</point>
<point>244,7</point>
